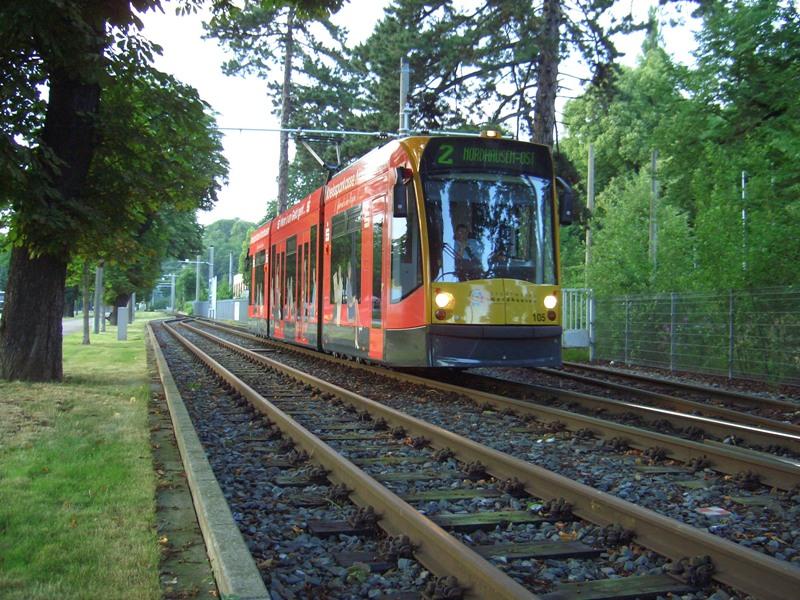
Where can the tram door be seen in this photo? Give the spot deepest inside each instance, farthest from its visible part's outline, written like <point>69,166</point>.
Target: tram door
<point>377,296</point>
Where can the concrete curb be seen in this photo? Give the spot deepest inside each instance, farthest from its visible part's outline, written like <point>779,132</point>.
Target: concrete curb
<point>234,568</point>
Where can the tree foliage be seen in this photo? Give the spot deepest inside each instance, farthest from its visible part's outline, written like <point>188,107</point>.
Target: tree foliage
<point>227,237</point>
<point>477,64</point>
<point>158,159</point>
<point>620,254</point>
<point>267,38</point>
<point>78,166</point>
<point>473,65</point>
<point>5,257</point>
<point>47,145</point>
<point>728,138</point>
<point>185,285</point>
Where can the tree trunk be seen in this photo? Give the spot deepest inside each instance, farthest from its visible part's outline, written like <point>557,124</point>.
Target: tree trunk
<point>120,300</point>
<point>70,296</point>
<point>85,291</point>
<point>286,113</point>
<point>30,329</point>
<point>544,108</point>
<point>98,296</point>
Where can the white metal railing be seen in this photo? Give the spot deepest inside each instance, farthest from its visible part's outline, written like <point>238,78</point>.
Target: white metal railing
<point>576,310</point>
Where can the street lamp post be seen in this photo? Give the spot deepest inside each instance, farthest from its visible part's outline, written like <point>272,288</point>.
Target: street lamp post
<point>197,280</point>
<point>212,286</point>
<point>210,266</point>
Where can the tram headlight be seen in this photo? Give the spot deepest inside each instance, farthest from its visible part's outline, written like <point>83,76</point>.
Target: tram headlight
<point>550,301</point>
<point>444,299</point>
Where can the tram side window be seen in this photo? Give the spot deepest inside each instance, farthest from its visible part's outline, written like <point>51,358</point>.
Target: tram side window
<point>346,257</point>
<point>302,280</point>
<point>257,296</point>
<point>282,289</point>
<point>377,268</point>
<point>290,276</point>
<point>312,288</point>
<point>406,251</point>
<point>273,282</point>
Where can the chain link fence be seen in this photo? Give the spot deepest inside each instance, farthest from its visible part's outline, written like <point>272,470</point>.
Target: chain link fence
<point>736,334</point>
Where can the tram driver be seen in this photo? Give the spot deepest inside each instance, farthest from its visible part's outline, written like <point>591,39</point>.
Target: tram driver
<point>467,248</point>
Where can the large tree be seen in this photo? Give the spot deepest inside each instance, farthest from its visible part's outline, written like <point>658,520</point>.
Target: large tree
<point>46,150</point>
<point>469,65</point>
<point>625,125</point>
<point>731,114</point>
<point>333,103</point>
<point>269,39</point>
<point>579,29</point>
<point>744,90</point>
<point>627,122</point>
<point>545,105</point>
<point>463,75</point>
<point>495,62</point>
<point>159,159</point>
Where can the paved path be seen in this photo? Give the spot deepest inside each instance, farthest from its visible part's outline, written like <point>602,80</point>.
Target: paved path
<point>71,325</point>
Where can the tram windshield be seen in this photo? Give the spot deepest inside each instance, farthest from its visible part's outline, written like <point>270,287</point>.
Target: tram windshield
<point>490,225</point>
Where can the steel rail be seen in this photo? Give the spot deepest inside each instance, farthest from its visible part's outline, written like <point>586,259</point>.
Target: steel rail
<point>723,429</point>
<point>726,395</point>
<point>774,471</point>
<point>436,549</point>
<point>739,567</point>
<point>748,452</point>
<point>683,404</point>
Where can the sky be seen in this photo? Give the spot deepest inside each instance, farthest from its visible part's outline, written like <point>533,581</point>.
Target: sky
<point>243,102</point>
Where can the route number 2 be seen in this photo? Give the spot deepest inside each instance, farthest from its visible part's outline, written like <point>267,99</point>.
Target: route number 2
<point>445,155</point>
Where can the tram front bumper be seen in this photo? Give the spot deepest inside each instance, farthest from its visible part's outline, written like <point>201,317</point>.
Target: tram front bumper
<point>494,345</point>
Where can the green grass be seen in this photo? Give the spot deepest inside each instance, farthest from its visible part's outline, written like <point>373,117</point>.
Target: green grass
<point>575,354</point>
<point>77,488</point>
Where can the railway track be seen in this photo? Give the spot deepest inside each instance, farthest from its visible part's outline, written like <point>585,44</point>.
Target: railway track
<point>664,535</point>
<point>724,397</point>
<point>755,411</point>
<point>275,490</point>
<point>674,415</point>
<point>782,473</point>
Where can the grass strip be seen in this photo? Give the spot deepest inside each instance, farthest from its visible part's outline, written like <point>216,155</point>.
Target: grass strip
<point>77,513</point>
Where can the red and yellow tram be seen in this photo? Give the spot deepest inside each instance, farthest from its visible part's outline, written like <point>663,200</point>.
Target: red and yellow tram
<point>426,252</point>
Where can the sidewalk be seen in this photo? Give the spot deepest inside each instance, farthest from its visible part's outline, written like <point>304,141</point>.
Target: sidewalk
<point>72,324</point>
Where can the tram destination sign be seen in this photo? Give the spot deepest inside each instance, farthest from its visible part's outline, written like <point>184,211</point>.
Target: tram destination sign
<point>486,154</point>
